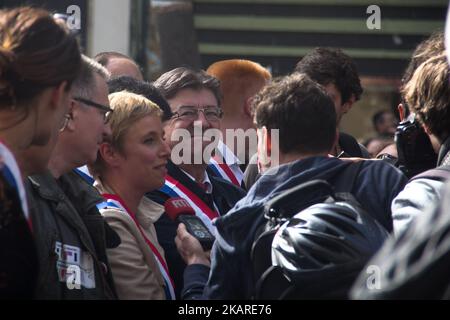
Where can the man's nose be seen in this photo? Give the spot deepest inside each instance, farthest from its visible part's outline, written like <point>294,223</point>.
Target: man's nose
<point>202,118</point>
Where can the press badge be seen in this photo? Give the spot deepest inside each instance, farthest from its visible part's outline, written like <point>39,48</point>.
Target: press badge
<point>72,258</point>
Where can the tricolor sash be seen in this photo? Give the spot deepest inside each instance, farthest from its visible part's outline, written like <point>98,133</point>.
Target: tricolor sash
<point>11,172</point>
<point>115,201</point>
<point>174,188</point>
<point>223,170</point>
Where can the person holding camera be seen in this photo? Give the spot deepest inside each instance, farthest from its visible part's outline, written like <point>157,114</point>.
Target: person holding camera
<point>427,94</point>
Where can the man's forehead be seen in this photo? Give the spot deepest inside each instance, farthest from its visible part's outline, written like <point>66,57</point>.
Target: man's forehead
<point>124,67</point>
<point>193,97</point>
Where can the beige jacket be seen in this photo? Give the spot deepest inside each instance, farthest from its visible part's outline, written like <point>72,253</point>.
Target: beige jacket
<point>134,267</point>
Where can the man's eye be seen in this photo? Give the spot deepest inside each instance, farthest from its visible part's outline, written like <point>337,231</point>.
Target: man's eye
<point>188,113</point>
<point>149,140</point>
<point>212,113</point>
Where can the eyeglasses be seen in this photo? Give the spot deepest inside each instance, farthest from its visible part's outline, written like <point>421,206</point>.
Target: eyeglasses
<point>107,110</point>
<point>191,113</point>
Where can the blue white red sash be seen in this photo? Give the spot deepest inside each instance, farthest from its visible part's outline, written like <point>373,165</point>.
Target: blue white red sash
<point>223,170</point>
<point>11,173</point>
<point>226,165</point>
<point>174,188</point>
<point>115,201</point>
<point>84,173</point>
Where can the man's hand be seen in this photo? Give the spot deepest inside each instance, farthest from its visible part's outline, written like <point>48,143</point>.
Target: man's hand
<point>190,248</point>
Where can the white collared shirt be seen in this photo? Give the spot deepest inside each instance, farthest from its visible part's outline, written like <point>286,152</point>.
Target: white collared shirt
<point>207,182</point>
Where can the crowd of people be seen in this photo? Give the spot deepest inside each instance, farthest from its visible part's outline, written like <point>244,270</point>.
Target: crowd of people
<point>91,176</point>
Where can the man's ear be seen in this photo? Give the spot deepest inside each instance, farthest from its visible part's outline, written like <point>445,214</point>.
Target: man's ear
<point>73,114</point>
<point>264,149</point>
<point>349,104</point>
<point>426,129</point>
<point>248,108</point>
<point>335,143</point>
<point>268,142</point>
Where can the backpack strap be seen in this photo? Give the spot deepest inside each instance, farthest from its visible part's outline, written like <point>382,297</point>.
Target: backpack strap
<point>441,173</point>
<point>272,285</point>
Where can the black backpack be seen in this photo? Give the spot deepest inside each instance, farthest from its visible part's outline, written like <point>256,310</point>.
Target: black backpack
<point>280,209</point>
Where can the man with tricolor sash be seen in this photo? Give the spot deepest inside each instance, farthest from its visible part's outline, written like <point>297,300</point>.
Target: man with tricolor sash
<point>194,99</point>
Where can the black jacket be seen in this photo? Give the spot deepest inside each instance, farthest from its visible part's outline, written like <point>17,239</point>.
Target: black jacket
<point>347,143</point>
<point>69,230</point>
<point>225,196</point>
<point>444,153</point>
<point>18,258</point>
<point>231,275</point>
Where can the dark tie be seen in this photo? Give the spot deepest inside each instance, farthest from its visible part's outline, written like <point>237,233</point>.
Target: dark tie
<point>206,197</point>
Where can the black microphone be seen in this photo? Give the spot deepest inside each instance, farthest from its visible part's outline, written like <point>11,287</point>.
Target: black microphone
<point>179,210</point>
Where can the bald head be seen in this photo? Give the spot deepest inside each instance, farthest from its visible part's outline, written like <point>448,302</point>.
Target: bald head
<point>119,65</point>
<point>124,67</point>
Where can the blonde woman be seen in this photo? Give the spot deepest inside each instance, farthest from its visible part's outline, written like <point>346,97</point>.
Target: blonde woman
<point>130,164</point>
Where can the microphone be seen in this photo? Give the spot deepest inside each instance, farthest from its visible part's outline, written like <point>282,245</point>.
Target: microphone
<point>178,206</point>
<point>179,210</point>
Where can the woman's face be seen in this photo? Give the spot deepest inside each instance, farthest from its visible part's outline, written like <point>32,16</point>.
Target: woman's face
<point>145,154</point>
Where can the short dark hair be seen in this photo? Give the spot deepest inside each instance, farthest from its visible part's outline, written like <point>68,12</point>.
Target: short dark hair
<point>172,82</point>
<point>327,65</point>
<point>303,112</point>
<point>143,88</point>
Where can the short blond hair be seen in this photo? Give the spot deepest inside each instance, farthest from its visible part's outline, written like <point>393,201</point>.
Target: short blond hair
<point>128,108</point>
